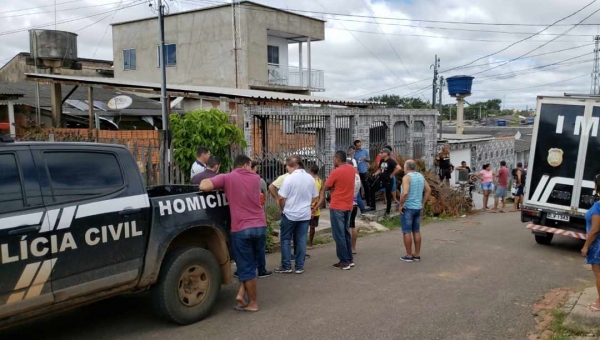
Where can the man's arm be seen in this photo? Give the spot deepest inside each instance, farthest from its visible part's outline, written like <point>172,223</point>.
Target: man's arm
<point>282,194</point>
<point>397,169</point>
<point>427,194</point>
<point>519,178</point>
<point>214,183</point>
<point>405,189</point>
<point>436,162</point>
<point>206,185</point>
<point>273,191</point>
<point>591,237</point>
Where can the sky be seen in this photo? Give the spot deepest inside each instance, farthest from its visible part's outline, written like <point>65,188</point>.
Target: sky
<point>375,47</point>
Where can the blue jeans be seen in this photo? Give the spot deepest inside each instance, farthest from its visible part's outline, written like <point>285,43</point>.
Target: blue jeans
<point>411,221</point>
<point>340,229</point>
<point>299,231</point>
<point>360,203</point>
<point>248,245</point>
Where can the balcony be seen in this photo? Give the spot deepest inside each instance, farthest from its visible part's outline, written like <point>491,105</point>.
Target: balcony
<point>296,77</point>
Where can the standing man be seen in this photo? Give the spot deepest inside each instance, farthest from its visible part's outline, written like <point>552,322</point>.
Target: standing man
<point>471,178</point>
<point>388,168</point>
<point>362,158</point>
<point>412,203</point>
<point>212,169</point>
<point>202,155</point>
<point>341,185</point>
<point>442,160</point>
<point>295,199</point>
<point>502,187</point>
<point>520,178</point>
<point>248,225</point>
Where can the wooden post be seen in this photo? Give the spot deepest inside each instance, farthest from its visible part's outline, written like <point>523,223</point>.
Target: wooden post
<point>56,102</point>
<point>91,107</point>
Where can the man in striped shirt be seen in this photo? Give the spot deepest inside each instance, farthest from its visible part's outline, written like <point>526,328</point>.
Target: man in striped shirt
<point>415,194</point>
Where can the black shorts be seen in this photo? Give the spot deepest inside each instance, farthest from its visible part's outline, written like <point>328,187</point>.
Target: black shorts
<point>520,191</point>
<point>445,174</point>
<point>314,221</point>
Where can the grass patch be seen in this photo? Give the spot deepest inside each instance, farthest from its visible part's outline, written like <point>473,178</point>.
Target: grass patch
<point>562,331</point>
<point>394,222</point>
<point>320,240</point>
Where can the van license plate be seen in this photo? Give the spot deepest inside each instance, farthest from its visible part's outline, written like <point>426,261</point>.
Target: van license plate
<point>558,217</point>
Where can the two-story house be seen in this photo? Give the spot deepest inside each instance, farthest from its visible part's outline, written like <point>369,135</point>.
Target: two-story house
<point>201,48</point>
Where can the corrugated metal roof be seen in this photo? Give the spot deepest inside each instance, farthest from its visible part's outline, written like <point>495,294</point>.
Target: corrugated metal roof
<point>210,91</point>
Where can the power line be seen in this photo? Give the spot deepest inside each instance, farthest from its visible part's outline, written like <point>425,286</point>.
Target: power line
<point>37,7</point>
<point>62,10</point>
<point>531,87</point>
<point>106,30</point>
<point>102,19</point>
<point>67,20</point>
<point>529,37</point>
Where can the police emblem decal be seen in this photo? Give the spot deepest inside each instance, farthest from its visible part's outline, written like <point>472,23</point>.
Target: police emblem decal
<point>555,157</point>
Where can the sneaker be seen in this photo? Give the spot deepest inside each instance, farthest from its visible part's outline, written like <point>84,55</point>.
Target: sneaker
<point>307,256</point>
<point>283,270</point>
<point>265,274</point>
<point>352,264</point>
<point>407,258</point>
<point>416,258</point>
<point>299,271</point>
<point>342,266</point>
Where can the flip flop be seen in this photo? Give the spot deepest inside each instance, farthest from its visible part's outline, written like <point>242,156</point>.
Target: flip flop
<point>243,309</point>
<point>592,308</point>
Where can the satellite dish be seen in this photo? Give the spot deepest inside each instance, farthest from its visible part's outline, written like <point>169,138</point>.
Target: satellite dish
<point>176,101</point>
<point>120,102</point>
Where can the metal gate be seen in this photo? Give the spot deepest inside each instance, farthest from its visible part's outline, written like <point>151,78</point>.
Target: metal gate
<point>418,139</point>
<point>343,133</point>
<point>378,137</point>
<point>276,137</point>
<point>401,145</point>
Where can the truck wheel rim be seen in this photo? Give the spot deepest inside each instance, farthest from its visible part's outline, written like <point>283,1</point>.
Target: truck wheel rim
<point>194,284</point>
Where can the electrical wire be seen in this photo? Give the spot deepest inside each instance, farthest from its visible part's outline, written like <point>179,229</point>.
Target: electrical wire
<point>106,30</point>
<point>62,10</point>
<point>531,87</point>
<point>37,7</point>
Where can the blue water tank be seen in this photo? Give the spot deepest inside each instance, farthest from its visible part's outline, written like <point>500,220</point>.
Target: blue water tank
<point>529,121</point>
<point>501,123</point>
<point>459,85</point>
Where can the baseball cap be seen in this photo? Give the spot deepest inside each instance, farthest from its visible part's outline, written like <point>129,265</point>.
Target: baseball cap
<point>386,150</point>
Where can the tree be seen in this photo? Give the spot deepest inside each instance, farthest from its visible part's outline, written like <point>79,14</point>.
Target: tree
<point>212,129</point>
<point>395,101</point>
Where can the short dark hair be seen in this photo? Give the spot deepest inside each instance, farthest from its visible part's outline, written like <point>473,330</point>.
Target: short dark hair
<point>351,147</point>
<point>486,165</point>
<point>502,163</point>
<point>356,142</point>
<point>241,160</point>
<point>388,147</point>
<point>314,169</point>
<point>341,156</point>
<point>463,162</point>
<point>202,150</point>
<point>212,162</point>
<point>295,160</point>
<point>519,165</point>
<point>254,163</point>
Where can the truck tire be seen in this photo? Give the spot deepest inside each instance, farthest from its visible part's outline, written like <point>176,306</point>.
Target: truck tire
<point>544,239</point>
<point>188,285</point>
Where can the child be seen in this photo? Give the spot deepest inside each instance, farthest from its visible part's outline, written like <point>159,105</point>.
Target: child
<point>314,220</point>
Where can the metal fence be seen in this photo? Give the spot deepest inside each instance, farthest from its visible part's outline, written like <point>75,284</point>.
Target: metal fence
<point>378,137</point>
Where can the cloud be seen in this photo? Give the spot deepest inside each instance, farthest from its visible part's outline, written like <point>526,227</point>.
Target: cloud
<point>357,62</point>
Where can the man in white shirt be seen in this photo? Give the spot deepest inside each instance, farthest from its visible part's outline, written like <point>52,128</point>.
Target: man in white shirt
<point>202,155</point>
<point>295,199</point>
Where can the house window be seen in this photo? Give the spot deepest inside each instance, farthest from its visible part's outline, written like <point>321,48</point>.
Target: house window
<point>129,59</point>
<point>273,54</point>
<point>170,55</point>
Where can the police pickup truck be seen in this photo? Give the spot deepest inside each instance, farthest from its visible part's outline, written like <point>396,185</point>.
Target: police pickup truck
<point>78,225</point>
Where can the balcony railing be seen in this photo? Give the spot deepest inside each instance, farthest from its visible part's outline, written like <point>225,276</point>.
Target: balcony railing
<point>297,77</point>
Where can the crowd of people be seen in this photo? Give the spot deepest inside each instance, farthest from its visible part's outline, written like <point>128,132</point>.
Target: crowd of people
<point>300,195</point>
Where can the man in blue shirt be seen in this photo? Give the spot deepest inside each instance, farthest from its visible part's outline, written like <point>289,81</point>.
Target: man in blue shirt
<point>415,194</point>
<point>362,158</point>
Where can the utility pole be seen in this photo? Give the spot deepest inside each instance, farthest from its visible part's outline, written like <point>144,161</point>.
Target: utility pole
<point>234,9</point>
<point>441,108</point>
<point>163,93</point>
<point>436,65</point>
<point>596,70</point>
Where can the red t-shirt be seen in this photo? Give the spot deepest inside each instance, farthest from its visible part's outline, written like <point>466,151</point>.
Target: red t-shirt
<point>503,177</point>
<point>242,188</point>
<point>341,180</point>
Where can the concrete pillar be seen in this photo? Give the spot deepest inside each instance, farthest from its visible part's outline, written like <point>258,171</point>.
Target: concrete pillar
<point>91,108</point>
<point>11,119</point>
<point>460,107</point>
<point>300,64</point>
<point>56,102</point>
<point>309,65</point>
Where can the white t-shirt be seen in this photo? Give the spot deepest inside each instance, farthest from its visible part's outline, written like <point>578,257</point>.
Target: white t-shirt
<point>197,168</point>
<point>354,164</point>
<point>299,189</point>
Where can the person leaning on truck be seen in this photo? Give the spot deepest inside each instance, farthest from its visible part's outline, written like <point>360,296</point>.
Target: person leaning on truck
<point>248,225</point>
<point>442,160</point>
<point>591,248</point>
<point>212,169</point>
<point>202,155</point>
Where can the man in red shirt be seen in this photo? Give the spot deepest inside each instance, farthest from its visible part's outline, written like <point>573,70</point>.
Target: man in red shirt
<point>502,187</point>
<point>248,225</point>
<point>341,184</point>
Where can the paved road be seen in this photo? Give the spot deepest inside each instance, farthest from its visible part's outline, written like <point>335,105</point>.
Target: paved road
<point>478,280</point>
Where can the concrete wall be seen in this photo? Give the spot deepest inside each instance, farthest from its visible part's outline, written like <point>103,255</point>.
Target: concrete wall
<point>283,49</point>
<point>14,71</point>
<point>205,45</point>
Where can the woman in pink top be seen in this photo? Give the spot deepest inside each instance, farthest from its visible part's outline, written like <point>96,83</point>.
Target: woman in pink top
<point>487,178</point>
